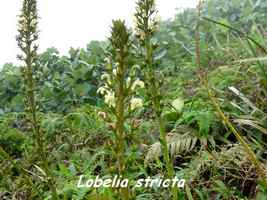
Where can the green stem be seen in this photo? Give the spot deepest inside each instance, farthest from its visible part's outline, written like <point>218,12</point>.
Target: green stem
<point>120,132</point>
<point>251,154</point>
<point>240,33</point>
<point>203,78</point>
<point>264,74</point>
<point>154,92</point>
<point>120,115</point>
<point>249,41</point>
<point>37,131</point>
<point>33,112</point>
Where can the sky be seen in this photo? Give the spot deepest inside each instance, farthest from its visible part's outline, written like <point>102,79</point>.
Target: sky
<point>72,23</point>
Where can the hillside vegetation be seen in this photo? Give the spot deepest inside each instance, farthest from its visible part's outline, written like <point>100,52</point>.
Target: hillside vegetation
<point>185,97</point>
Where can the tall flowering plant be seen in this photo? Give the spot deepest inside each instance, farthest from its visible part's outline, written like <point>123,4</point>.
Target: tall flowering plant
<point>120,89</point>
<point>27,43</point>
<point>146,24</point>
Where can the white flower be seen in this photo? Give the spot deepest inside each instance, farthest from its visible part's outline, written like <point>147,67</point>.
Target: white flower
<point>106,77</point>
<point>128,81</point>
<point>114,71</point>
<point>107,60</point>
<point>136,67</point>
<point>142,35</point>
<point>136,103</point>
<point>34,22</point>
<point>22,23</point>
<point>22,18</point>
<point>110,98</point>
<point>102,90</point>
<point>134,70</point>
<point>137,83</point>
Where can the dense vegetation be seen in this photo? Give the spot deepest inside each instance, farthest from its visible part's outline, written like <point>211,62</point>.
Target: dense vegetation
<point>186,97</point>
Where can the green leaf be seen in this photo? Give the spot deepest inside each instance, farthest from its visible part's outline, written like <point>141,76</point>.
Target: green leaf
<point>160,54</point>
<point>204,120</point>
<point>83,89</point>
<point>178,104</point>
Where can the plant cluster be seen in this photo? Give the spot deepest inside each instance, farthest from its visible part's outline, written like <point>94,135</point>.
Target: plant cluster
<point>184,97</point>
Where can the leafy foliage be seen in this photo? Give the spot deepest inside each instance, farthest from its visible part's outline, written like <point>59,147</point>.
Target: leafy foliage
<point>78,123</point>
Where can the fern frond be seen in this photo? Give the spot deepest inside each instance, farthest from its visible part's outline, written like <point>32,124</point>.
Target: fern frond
<point>177,144</point>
